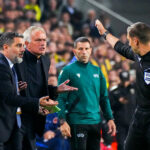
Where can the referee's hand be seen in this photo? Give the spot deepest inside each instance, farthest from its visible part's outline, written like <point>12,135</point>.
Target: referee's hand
<point>65,129</point>
<point>111,127</point>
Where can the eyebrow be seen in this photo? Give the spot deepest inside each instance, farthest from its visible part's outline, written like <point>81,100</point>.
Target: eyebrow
<point>40,39</point>
<point>19,44</point>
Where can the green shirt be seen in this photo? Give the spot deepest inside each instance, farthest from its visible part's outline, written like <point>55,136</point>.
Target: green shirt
<point>92,94</point>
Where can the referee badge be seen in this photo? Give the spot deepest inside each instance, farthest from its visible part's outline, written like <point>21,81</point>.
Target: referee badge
<point>147,76</point>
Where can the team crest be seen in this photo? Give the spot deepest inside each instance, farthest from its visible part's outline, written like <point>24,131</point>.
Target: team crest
<point>78,75</point>
<point>95,75</point>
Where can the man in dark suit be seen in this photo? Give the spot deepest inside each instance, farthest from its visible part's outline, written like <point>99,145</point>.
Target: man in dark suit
<point>11,52</point>
<point>34,70</point>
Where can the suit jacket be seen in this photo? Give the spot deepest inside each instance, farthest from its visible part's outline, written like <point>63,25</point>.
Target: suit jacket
<point>22,69</point>
<point>9,101</point>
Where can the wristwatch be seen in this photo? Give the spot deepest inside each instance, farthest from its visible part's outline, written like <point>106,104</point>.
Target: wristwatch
<point>105,34</point>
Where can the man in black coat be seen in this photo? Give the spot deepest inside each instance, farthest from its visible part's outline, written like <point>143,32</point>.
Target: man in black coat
<point>34,70</point>
<point>11,52</point>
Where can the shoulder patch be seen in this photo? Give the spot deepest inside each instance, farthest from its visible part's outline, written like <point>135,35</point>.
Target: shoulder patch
<point>147,76</point>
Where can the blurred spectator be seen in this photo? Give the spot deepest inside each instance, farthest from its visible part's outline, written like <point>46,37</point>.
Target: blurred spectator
<point>51,48</point>
<point>106,22</point>
<point>35,7</point>
<point>90,20</point>
<point>69,46</point>
<point>22,25</point>
<point>9,26</point>
<point>12,4</point>
<point>123,103</point>
<point>111,56</point>
<point>65,20</point>
<point>47,26</point>
<point>118,61</point>
<point>125,65</point>
<point>54,21</point>
<point>123,38</point>
<point>30,15</point>
<point>103,62</point>
<point>114,79</point>
<point>76,16</point>
<point>53,36</point>
<point>50,6</point>
<point>85,30</point>
<point>60,44</point>
<point>1,6</point>
<point>52,138</point>
<point>2,25</point>
<point>10,14</point>
<point>21,3</point>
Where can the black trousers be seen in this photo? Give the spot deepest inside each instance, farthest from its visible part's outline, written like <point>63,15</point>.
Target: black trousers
<point>25,138</point>
<point>85,137</point>
<point>138,137</point>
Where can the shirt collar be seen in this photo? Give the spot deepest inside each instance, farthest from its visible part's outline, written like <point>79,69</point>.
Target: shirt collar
<point>9,62</point>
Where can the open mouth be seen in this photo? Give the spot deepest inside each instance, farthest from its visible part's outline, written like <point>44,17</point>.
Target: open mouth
<point>42,48</point>
<point>20,55</point>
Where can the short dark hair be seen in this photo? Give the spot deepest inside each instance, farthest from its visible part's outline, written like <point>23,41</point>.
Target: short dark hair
<point>8,38</point>
<point>140,30</point>
<point>81,39</point>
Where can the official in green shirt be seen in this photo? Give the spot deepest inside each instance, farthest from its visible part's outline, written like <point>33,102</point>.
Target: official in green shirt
<point>80,110</point>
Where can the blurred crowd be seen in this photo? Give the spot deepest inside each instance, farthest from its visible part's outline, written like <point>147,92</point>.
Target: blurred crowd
<point>63,23</point>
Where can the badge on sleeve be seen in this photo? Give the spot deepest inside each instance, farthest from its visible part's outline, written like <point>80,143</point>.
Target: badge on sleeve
<point>147,76</point>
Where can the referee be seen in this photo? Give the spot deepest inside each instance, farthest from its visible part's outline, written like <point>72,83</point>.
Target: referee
<point>138,50</point>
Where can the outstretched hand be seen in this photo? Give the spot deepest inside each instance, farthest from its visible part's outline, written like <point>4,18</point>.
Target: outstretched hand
<point>65,88</point>
<point>45,101</point>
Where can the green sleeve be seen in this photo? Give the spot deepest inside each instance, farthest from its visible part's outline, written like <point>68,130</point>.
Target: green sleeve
<point>104,100</point>
<point>62,98</point>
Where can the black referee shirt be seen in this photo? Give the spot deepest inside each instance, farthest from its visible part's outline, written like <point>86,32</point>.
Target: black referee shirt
<point>142,73</point>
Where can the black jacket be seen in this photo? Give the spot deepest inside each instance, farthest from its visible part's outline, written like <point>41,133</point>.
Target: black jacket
<point>22,69</point>
<point>9,101</point>
<point>123,112</point>
<point>142,73</point>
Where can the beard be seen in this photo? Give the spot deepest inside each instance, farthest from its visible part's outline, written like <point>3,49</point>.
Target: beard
<point>18,60</point>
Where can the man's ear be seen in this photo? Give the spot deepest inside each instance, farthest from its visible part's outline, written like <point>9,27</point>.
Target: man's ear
<point>5,47</point>
<point>136,41</point>
<point>26,44</point>
<point>74,50</point>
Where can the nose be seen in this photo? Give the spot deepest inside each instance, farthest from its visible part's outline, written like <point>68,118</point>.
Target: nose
<point>84,51</point>
<point>22,49</point>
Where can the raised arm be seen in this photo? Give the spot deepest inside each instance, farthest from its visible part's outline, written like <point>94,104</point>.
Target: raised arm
<point>110,38</point>
<point>122,49</point>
